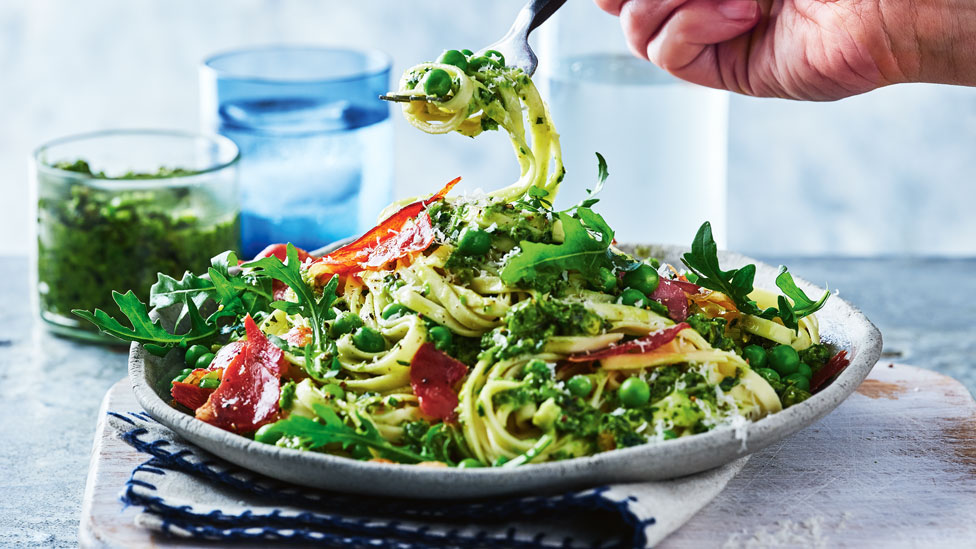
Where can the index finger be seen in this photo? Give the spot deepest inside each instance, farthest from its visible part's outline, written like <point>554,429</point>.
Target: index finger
<point>611,6</point>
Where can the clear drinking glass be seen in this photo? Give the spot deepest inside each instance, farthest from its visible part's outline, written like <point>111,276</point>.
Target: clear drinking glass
<point>665,140</point>
<point>316,141</point>
<point>115,208</point>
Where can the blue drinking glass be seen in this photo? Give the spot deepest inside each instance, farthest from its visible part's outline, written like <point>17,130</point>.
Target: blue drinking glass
<point>316,141</point>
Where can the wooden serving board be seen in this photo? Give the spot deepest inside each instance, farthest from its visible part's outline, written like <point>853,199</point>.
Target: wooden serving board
<point>893,466</point>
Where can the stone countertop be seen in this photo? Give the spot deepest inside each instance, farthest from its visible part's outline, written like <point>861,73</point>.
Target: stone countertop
<point>51,387</point>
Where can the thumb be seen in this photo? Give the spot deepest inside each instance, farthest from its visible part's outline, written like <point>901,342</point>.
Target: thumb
<point>682,46</point>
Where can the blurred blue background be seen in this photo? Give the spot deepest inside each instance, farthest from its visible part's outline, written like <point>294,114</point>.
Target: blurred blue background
<point>887,173</point>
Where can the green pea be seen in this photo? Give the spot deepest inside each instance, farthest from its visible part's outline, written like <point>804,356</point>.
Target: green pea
<point>467,53</point>
<point>477,62</point>
<point>805,370</point>
<point>209,383</point>
<point>605,281</point>
<point>495,57</point>
<point>798,380</point>
<point>204,361</point>
<point>368,340</point>
<point>187,371</point>
<point>442,337</point>
<point>437,82</point>
<point>267,434</point>
<point>767,374</point>
<point>634,392</point>
<point>474,242</point>
<point>454,57</point>
<point>394,310</point>
<point>180,378</point>
<point>345,324</point>
<point>195,352</point>
<point>633,297</point>
<point>538,368</point>
<point>579,385</point>
<point>643,278</point>
<point>470,463</point>
<point>784,359</point>
<point>335,390</point>
<point>755,356</point>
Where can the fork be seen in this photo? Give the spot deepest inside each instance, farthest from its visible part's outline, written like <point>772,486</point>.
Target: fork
<point>514,46</point>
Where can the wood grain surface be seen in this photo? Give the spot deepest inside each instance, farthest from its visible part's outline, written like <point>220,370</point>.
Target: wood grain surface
<point>893,466</point>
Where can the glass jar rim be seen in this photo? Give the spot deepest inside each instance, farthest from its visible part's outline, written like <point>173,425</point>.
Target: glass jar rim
<point>378,62</point>
<point>215,139</point>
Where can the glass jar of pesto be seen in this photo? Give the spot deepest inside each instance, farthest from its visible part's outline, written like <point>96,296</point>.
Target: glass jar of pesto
<point>115,208</point>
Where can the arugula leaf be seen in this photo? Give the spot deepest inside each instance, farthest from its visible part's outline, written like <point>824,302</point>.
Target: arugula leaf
<point>540,265</point>
<point>322,364</point>
<point>236,294</point>
<point>601,174</point>
<point>535,199</point>
<point>168,291</point>
<point>146,331</point>
<point>434,442</point>
<point>321,356</point>
<point>317,310</point>
<point>239,295</point>
<point>223,262</point>
<point>601,171</point>
<point>738,283</point>
<point>802,304</point>
<point>702,260</point>
<point>332,430</point>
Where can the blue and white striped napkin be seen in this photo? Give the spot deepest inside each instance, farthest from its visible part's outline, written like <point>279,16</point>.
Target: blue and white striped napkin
<point>188,493</point>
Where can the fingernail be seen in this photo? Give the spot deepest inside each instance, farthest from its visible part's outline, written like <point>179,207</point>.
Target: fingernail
<point>738,9</point>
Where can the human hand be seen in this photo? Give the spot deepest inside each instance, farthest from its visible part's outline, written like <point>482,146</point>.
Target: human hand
<point>803,49</point>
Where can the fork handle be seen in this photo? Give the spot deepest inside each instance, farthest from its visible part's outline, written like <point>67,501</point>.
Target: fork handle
<point>540,11</point>
<point>533,14</point>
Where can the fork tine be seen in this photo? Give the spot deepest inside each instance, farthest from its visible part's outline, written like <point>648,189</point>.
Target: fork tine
<point>402,98</point>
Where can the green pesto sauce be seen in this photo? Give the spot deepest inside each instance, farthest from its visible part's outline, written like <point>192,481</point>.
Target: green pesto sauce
<point>92,241</point>
<point>613,426</point>
<point>532,322</point>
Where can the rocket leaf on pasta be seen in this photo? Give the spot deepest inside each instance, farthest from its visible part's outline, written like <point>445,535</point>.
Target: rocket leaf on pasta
<point>702,260</point>
<point>330,429</point>
<point>587,238</point>
<point>320,357</point>
<point>145,330</point>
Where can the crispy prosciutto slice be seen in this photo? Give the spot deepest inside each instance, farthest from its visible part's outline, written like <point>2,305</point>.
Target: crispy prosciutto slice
<point>189,393</point>
<point>672,294</point>
<point>247,397</point>
<point>688,287</point>
<point>643,345</point>
<point>227,355</point>
<point>407,231</point>
<point>833,367</point>
<point>299,336</point>
<point>433,376</point>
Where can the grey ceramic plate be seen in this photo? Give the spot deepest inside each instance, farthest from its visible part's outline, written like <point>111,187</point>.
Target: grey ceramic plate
<point>841,325</point>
